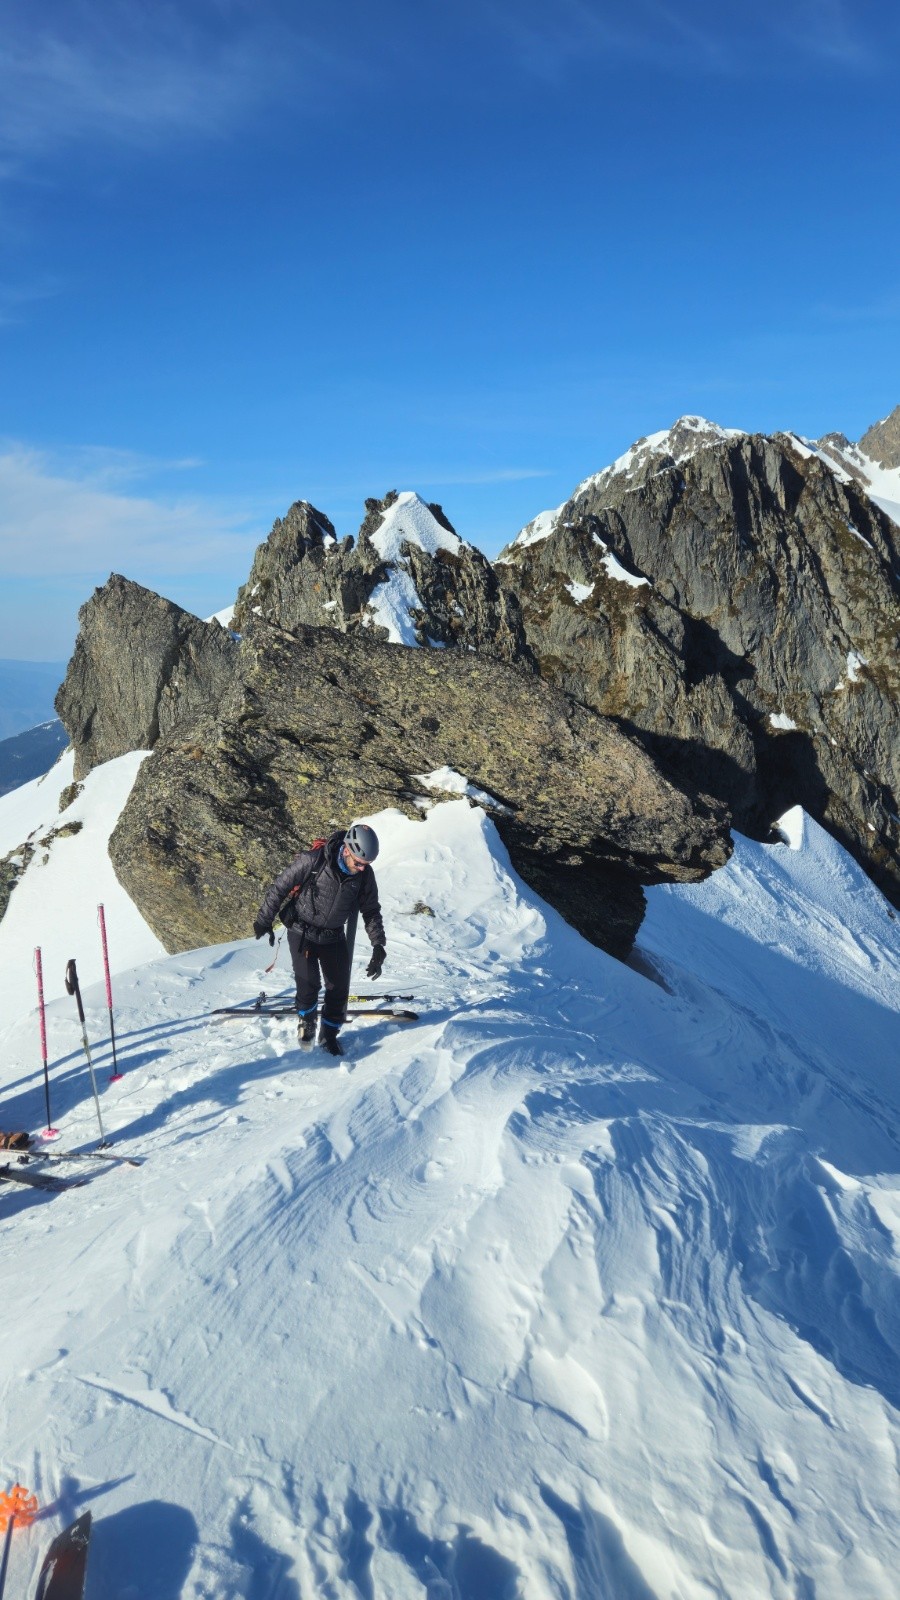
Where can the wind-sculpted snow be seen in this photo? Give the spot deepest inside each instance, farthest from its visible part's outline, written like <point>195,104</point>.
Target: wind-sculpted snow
<point>584,1287</point>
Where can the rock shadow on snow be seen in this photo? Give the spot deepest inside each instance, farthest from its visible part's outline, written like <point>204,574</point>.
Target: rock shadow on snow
<point>462,1568</point>
<point>356,1549</point>
<point>603,1568</point>
<point>269,1570</point>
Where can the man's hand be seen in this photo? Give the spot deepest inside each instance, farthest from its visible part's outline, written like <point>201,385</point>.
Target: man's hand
<point>373,970</point>
<point>260,929</point>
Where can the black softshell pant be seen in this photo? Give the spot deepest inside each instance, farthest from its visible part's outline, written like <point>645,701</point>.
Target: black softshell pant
<point>315,964</point>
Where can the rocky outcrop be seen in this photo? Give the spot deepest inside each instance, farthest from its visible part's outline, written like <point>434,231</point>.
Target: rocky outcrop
<point>140,665</point>
<point>318,726</point>
<point>733,602</point>
<point>881,442</point>
<point>408,578</point>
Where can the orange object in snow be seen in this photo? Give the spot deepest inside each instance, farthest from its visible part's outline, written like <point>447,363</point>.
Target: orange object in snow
<point>18,1503</point>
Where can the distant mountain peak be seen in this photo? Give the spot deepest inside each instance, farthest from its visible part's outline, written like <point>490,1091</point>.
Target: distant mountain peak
<point>874,462</point>
<point>675,444</point>
<point>881,442</point>
<point>683,439</point>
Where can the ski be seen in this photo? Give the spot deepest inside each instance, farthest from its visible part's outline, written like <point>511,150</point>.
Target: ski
<point>65,1564</point>
<point>254,1011</point>
<point>389,999</point>
<point>383,1011</point>
<point>267,1003</point>
<point>35,1153</point>
<point>291,1011</point>
<point>39,1180</point>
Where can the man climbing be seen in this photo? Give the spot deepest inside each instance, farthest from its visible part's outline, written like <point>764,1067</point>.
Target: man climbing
<point>314,897</point>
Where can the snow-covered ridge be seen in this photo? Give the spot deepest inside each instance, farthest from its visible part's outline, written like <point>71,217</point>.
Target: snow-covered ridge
<point>689,435</point>
<point>223,618</point>
<point>684,438</point>
<point>680,442</point>
<point>408,521</point>
<point>642,1237</point>
<point>540,527</point>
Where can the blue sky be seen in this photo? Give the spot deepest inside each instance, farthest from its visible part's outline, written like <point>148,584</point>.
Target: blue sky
<point>259,252</point>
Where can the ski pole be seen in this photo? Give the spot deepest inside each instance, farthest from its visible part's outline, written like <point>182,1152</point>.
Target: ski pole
<point>352,924</point>
<point>49,1132</point>
<point>5,1562</point>
<point>116,1074</point>
<point>72,987</point>
<point>17,1503</point>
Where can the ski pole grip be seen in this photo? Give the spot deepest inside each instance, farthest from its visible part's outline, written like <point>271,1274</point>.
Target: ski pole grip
<point>72,987</point>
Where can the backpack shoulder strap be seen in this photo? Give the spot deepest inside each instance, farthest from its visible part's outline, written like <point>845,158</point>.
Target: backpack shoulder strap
<point>316,848</point>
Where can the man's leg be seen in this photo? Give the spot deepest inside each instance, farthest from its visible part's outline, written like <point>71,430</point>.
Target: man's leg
<point>335,963</point>
<point>306,976</point>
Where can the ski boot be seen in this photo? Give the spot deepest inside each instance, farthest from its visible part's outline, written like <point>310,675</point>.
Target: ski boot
<point>329,1041</point>
<point>306,1028</point>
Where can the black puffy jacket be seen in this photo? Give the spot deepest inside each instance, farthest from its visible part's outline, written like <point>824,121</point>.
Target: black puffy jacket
<point>325,896</point>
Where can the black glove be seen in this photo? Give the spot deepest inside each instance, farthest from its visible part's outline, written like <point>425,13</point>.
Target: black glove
<point>373,970</point>
<point>260,929</point>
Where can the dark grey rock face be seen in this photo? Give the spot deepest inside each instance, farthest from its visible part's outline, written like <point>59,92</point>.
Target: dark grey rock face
<point>140,664</point>
<point>882,441</point>
<point>759,661</point>
<point>303,576</point>
<point>317,727</point>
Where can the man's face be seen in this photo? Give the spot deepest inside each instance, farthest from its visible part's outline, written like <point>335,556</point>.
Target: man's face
<point>352,861</point>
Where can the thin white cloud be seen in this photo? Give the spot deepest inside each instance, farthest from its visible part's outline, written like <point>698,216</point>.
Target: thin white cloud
<point>833,31</point>
<point>67,524</point>
<point>687,36</point>
<point>881,308</point>
<point>135,72</point>
<point>106,467</point>
<point>15,298</point>
<point>498,475</point>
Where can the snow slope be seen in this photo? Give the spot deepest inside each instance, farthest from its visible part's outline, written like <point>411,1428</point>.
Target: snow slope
<point>584,1286</point>
<point>54,903</point>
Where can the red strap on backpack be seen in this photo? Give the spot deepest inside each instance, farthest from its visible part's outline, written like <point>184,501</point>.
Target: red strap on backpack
<point>317,844</point>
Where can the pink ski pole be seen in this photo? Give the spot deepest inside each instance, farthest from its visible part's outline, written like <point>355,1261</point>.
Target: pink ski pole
<point>49,1132</point>
<point>101,918</point>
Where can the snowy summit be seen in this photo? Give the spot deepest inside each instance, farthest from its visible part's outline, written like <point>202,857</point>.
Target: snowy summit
<point>393,604</point>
